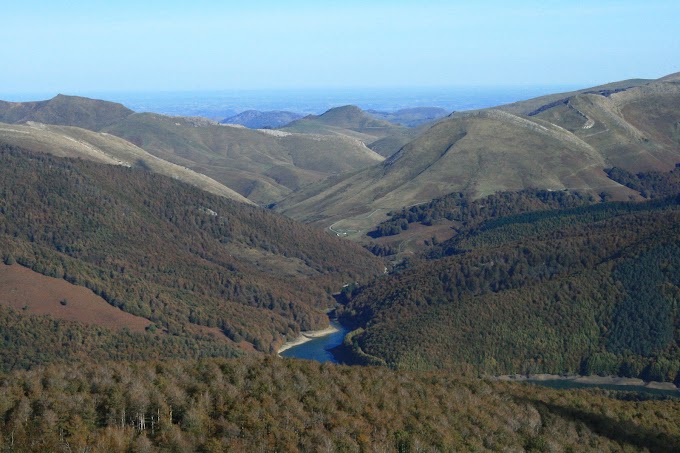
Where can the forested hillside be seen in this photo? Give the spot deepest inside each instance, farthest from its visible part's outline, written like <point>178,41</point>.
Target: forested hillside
<point>168,252</point>
<point>463,211</point>
<point>590,289</point>
<point>271,404</point>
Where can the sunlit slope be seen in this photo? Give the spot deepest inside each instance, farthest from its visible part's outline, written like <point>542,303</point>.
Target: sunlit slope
<point>554,142</point>
<point>531,106</point>
<point>634,129</point>
<point>481,153</point>
<point>66,141</point>
<point>262,165</point>
<point>350,121</point>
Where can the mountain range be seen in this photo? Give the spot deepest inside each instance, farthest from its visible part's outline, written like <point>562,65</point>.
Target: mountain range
<point>144,294</point>
<point>260,165</point>
<point>563,144</point>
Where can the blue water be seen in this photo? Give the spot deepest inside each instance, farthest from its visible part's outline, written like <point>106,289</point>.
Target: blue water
<point>318,348</point>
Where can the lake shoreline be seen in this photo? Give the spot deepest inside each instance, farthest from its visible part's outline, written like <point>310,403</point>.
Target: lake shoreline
<point>306,336</point>
<point>589,380</point>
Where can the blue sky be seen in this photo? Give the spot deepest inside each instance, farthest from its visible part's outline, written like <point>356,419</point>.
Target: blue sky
<point>80,46</point>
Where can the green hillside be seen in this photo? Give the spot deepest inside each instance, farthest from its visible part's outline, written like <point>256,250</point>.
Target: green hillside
<point>592,289</point>
<point>263,166</point>
<point>543,144</point>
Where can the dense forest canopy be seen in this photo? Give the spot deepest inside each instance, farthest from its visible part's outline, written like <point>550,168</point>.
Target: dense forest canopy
<point>591,289</point>
<point>272,404</point>
<point>168,252</point>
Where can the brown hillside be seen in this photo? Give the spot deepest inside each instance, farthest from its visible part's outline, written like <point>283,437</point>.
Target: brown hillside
<point>171,253</point>
<point>28,292</point>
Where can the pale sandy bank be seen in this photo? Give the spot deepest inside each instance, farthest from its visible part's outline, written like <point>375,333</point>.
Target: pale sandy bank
<point>307,336</point>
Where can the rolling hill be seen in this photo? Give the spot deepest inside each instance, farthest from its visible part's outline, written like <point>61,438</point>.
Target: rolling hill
<point>632,129</point>
<point>74,142</point>
<point>560,145</point>
<point>531,106</point>
<point>261,165</point>
<point>64,110</point>
<point>350,121</point>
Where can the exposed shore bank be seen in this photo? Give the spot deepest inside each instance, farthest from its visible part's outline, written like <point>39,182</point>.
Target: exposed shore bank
<point>306,336</point>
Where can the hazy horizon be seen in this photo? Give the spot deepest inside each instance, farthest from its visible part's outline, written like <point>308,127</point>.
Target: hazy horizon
<point>224,103</point>
<point>78,47</point>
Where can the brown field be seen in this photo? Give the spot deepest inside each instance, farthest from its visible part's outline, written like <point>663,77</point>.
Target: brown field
<point>29,292</point>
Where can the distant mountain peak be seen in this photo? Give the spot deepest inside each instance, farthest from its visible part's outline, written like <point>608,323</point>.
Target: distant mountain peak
<point>65,110</point>
<point>349,116</point>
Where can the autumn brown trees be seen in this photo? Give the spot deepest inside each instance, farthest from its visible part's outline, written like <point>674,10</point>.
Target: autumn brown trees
<point>287,405</point>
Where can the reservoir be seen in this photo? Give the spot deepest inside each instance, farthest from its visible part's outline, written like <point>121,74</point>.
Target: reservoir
<point>318,348</point>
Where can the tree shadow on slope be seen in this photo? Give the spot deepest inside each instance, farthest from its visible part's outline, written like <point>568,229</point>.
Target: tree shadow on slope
<point>621,431</point>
